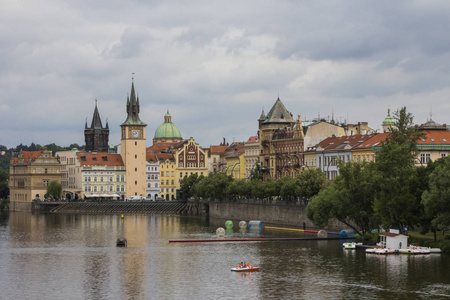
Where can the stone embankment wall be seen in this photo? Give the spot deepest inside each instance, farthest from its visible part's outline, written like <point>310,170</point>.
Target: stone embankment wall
<point>274,214</point>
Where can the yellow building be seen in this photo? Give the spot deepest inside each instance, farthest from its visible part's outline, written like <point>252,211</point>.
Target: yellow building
<point>29,176</point>
<point>167,168</point>
<point>310,159</point>
<point>366,151</point>
<point>133,148</point>
<point>236,165</point>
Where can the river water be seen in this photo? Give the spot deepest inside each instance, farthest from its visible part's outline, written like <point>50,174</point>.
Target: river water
<point>73,256</point>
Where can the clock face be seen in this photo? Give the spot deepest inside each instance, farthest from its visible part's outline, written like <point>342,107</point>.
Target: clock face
<point>135,133</point>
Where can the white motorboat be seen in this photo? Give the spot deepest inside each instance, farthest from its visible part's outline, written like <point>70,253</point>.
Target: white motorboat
<point>349,246</point>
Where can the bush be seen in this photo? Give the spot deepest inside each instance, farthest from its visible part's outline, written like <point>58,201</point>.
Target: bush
<point>4,204</point>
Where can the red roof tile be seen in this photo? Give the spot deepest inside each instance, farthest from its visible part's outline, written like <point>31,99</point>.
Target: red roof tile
<point>339,143</point>
<point>99,159</point>
<point>218,149</point>
<point>253,139</point>
<point>28,155</point>
<point>435,137</point>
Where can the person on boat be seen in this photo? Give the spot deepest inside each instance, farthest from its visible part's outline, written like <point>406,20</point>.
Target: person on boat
<point>240,265</point>
<point>248,265</point>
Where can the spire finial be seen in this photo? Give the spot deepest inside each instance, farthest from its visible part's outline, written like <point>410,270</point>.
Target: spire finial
<point>132,77</point>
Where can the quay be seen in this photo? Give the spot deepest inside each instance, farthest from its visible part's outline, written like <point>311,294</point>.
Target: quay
<point>146,207</point>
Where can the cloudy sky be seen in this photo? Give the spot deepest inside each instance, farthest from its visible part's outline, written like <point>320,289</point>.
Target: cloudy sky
<point>216,64</point>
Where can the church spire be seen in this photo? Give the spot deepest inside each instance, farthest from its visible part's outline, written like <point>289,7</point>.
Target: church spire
<point>96,121</point>
<point>133,108</point>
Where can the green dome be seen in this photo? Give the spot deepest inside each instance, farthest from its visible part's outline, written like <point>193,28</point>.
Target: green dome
<point>389,120</point>
<point>167,129</point>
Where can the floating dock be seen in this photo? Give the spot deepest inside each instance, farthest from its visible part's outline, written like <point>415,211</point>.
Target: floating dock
<point>297,230</point>
<point>257,240</point>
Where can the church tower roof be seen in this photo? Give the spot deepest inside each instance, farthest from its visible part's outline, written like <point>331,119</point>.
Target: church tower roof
<point>279,114</point>
<point>133,109</point>
<point>96,121</point>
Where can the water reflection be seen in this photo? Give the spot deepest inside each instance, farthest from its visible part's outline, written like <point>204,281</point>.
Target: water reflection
<point>74,256</point>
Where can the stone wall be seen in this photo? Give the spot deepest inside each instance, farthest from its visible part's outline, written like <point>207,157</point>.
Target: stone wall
<point>19,206</point>
<point>273,214</point>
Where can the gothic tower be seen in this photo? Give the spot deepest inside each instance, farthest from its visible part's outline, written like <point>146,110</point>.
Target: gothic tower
<point>133,148</point>
<point>96,137</point>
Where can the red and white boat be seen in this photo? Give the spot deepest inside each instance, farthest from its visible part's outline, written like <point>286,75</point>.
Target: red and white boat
<point>245,269</point>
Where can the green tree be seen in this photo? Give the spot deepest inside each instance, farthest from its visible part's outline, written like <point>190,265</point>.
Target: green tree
<point>348,199</point>
<point>4,189</point>
<point>214,186</point>
<point>237,189</point>
<point>256,172</point>
<point>396,201</point>
<point>310,182</point>
<point>54,189</point>
<point>258,189</point>
<point>288,188</point>
<point>437,199</point>
<point>187,185</point>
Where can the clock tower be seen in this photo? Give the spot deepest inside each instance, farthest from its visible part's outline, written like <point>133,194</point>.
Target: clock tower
<point>133,148</point>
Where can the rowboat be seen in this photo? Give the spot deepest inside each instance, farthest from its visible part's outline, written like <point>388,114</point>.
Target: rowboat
<point>245,269</point>
<point>121,242</point>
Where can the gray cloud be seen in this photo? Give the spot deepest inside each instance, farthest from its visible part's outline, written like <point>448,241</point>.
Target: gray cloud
<point>216,65</point>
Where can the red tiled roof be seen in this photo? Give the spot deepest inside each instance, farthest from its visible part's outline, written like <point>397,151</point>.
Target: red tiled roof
<point>253,139</point>
<point>158,147</point>
<point>338,143</point>
<point>235,147</point>
<point>164,156</point>
<point>374,141</point>
<point>99,159</point>
<point>218,149</point>
<point>151,157</point>
<point>435,137</point>
<point>28,155</point>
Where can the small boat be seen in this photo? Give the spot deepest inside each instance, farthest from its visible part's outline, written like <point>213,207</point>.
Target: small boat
<point>386,251</point>
<point>372,250</point>
<point>416,250</point>
<point>121,242</point>
<point>245,269</point>
<point>435,250</point>
<point>349,246</point>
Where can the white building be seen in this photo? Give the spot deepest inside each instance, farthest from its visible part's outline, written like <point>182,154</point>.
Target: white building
<point>152,174</point>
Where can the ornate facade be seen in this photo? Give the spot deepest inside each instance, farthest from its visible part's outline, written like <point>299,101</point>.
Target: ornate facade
<point>29,175</point>
<point>281,143</point>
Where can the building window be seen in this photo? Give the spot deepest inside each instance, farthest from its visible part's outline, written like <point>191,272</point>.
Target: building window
<point>425,158</point>
<point>135,183</point>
